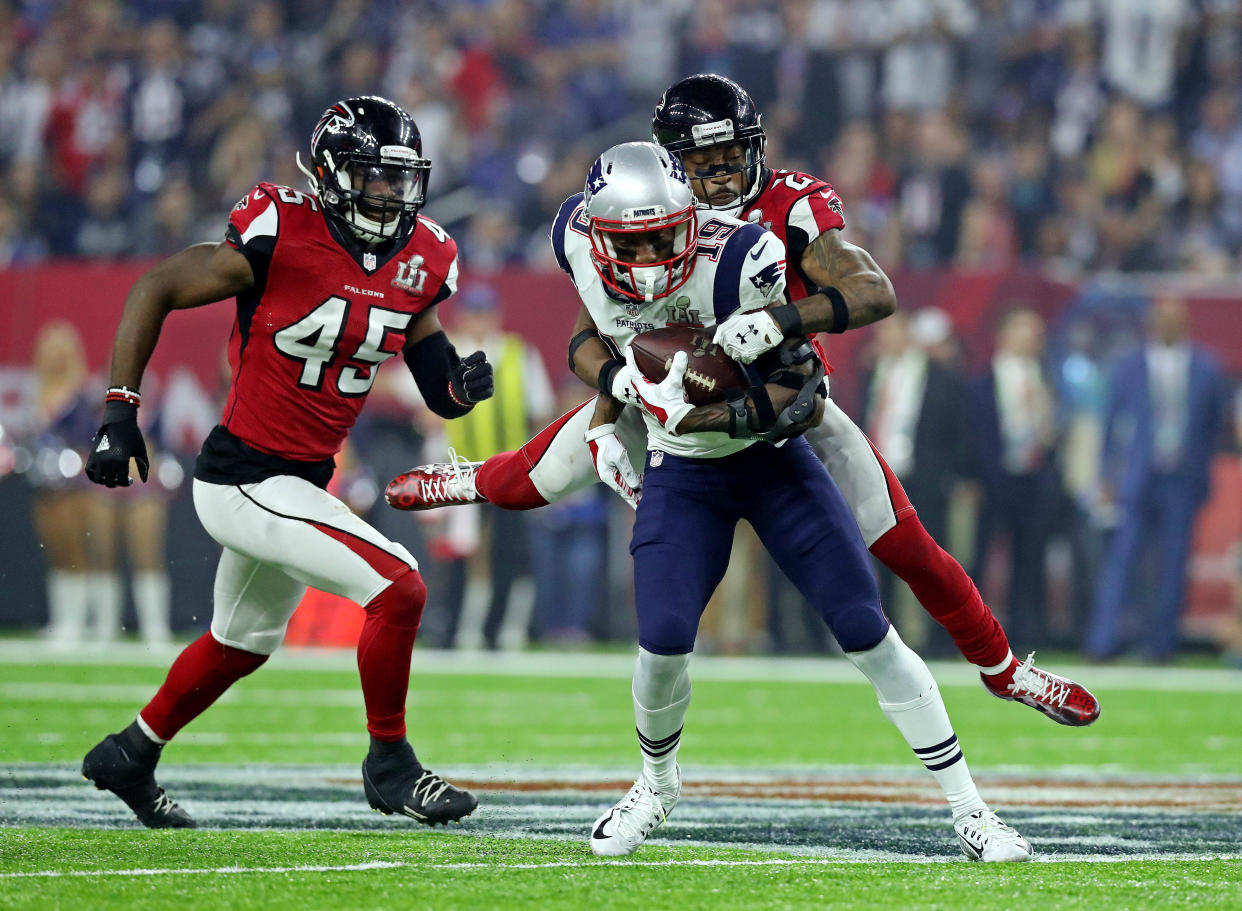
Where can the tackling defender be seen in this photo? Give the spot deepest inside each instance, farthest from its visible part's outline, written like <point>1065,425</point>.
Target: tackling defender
<point>634,246</point>
<point>711,124</point>
<point>328,286</point>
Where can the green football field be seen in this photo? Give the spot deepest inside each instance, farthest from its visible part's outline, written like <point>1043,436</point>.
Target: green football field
<point>798,793</point>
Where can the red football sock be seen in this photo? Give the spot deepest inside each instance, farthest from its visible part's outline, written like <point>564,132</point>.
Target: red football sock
<point>504,480</point>
<point>944,589</point>
<point>384,651</point>
<point>199,676</point>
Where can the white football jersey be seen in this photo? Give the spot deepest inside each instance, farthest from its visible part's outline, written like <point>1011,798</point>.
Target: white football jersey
<point>738,267</point>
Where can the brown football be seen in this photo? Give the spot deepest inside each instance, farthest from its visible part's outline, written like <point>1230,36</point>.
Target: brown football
<point>710,373</point>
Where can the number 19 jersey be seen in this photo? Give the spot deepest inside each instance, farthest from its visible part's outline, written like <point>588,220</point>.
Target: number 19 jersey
<point>319,321</point>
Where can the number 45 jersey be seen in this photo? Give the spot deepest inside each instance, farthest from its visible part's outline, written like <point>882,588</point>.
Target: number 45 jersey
<point>321,318</point>
<point>738,266</point>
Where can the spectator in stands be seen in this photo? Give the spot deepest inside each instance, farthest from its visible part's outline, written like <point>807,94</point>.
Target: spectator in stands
<point>1162,429</point>
<point>912,411</point>
<point>523,403</point>
<point>82,606</point>
<point>1015,451</point>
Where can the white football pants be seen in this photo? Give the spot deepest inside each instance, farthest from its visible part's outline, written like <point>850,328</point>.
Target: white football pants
<point>280,536</point>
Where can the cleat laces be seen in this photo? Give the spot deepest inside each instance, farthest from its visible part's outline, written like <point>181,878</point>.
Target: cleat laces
<point>450,482</point>
<point>1041,685</point>
<point>164,804</point>
<point>633,820</point>
<point>432,787</point>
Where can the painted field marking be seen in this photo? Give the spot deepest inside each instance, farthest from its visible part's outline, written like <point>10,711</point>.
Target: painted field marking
<point>879,857</point>
<point>828,669</point>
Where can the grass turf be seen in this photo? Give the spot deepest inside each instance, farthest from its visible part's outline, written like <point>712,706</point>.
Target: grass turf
<point>439,871</point>
<point>53,713</point>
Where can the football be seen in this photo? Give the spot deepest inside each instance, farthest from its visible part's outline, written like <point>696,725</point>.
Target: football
<point>710,373</point>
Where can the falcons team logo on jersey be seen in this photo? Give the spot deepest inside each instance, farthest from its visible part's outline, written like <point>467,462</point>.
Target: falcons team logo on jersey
<point>834,203</point>
<point>411,275</point>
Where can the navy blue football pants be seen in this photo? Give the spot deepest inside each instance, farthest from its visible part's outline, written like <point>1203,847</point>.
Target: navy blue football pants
<point>683,534</point>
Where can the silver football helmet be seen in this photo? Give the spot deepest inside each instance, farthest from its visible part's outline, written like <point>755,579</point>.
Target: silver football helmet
<point>643,227</point>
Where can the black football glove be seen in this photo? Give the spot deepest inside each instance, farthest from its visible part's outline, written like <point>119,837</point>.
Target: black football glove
<point>114,444</point>
<point>470,379</point>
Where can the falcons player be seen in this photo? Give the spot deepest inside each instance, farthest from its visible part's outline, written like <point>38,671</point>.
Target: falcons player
<point>328,285</point>
<point>635,247</point>
<point>712,125</point>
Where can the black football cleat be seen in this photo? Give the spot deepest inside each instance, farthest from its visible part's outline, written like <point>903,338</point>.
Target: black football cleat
<point>124,764</point>
<point>395,782</point>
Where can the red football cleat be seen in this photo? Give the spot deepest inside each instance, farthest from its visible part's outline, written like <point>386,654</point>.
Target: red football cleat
<point>438,484</point>
<point>1060,698</point>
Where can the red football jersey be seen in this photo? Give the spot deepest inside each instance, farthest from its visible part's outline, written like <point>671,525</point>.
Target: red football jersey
<point>797,208</point>
<point>311,334</point>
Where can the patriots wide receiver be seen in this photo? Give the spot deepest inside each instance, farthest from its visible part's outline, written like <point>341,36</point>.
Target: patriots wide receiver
<point>640,254</point>
<point>712,126</point>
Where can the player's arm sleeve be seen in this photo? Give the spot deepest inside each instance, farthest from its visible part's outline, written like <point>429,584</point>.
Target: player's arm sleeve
<point>431,357</point>
<point>853,289</point>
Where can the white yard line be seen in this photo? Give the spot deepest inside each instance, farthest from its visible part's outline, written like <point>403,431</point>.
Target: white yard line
<point>620,666</point>
<point>871,858</point>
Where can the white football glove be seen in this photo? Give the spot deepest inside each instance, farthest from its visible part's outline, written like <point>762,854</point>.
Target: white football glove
<point>665,400</point>
<point>622,388</point>
<point>612,463</point>
<point>745,336</point>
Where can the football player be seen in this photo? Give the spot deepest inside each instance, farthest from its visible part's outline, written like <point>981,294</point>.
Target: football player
<point>711,124</point>
<point>635,245</point>
<point>328,284</point>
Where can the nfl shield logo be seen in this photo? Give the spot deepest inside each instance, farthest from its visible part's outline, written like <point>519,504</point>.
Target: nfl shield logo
<point>657,458</point>
<point>368,261</point>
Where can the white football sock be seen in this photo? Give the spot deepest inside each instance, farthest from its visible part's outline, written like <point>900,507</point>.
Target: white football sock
<point>146,729</point>
<point>67,606</point>
<point>105,600</point>
<point>999,668</point>
<point>910,698</point>
<point>152,603</point>
<point>661,696</point>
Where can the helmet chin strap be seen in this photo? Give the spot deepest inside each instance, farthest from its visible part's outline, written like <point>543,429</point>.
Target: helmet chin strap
<point>649,288</point>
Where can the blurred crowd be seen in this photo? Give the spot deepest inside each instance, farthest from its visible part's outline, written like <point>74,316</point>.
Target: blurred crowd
<point>1083,134</point>
<point>1076,135</point>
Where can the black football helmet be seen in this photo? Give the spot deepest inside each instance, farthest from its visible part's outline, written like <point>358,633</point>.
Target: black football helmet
<point>707,110</point>
<point>367,168</point>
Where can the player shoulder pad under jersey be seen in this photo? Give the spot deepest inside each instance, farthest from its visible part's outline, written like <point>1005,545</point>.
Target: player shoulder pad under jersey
<point>255,221</point>
<point>431,249</point>
<point>570,217</point>
<point>810,205</point>
<point>750,266</point>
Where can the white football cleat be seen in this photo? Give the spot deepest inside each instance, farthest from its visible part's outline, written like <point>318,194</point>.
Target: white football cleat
<point>639,813</point>
<point>983,836</point>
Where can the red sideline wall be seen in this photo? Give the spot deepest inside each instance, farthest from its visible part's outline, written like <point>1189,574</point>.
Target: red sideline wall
<point>541,305</point>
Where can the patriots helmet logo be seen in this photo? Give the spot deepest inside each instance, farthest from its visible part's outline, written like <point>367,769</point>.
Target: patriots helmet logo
<point>678,172</point>
<point>595,178</point>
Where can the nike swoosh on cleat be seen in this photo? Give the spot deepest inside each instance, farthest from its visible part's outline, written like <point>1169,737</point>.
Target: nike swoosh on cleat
<point>412,812</point>
<point>599,830</point>
<point>976,849</point>
<point>754,254</point>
